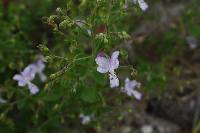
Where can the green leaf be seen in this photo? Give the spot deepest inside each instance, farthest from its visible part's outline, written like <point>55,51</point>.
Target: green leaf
<point>98,78</point>
<point>51,97</point>
<point>89,95</point>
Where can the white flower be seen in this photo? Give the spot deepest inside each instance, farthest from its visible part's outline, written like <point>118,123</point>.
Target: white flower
<point>107,64</point>
<point>129,88</point>
<point>25,78</point>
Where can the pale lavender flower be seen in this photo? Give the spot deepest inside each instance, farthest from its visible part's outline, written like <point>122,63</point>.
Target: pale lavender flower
<point>107,64</point>
<point>85,119</point>
<point>25,78</point>
<point>28,74</point>
<point>143,5</point>
<point>192,42</point>
<point>39,68</point>
<point>130,87</point>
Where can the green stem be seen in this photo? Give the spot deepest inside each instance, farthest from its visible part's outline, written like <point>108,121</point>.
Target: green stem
<point>83,58</point>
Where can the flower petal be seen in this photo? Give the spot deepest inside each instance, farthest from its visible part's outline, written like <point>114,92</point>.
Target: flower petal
<point>85,119</point>
<point>20,79</point>
<point>17,77</point>
<point>42,76</point>
<point>114,62</point>
<point>137,95</point>
<point>114,81</point>
<point>129,89</point>
<point>40,66</point>
<point>29,72</point>
<point>33,88</point>
<point>103,64</point>
<point>143,5</point>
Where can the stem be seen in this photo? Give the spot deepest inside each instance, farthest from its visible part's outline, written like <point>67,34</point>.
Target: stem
<point>129,66</point>
<point>83,58</point>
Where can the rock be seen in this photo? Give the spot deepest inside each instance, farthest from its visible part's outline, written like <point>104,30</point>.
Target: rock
<point>147,129</point>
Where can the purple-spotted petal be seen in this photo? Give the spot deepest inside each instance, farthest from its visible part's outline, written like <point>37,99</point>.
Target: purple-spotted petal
<point>114,81</point>
<point>103,64</point>
<point>114,62</point>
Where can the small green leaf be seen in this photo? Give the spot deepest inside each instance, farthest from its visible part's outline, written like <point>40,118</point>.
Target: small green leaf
<point>89,95</point>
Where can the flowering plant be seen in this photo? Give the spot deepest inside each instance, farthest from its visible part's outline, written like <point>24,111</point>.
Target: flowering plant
<point>75,87</point>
